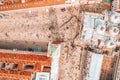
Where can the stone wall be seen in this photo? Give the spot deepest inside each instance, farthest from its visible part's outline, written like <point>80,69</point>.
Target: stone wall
<point>24,29</point>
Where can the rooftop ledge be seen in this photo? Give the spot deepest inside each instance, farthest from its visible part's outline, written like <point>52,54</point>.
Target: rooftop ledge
<point>21,52</point>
